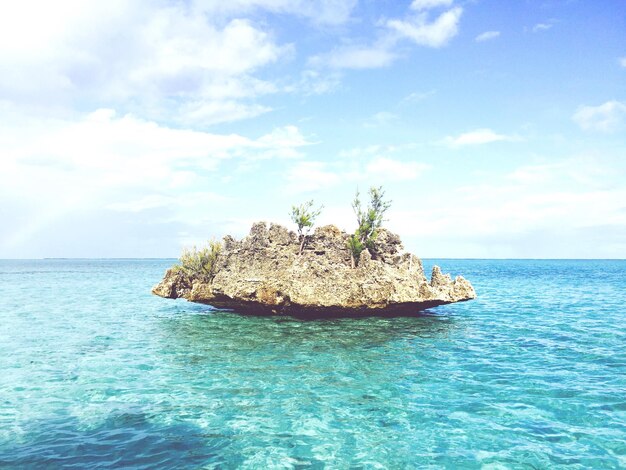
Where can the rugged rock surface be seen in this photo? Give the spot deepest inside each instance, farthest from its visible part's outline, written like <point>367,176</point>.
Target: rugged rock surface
<point>263,273</point>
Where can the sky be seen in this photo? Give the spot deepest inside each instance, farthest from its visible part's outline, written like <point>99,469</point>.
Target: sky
<point>135,128</point>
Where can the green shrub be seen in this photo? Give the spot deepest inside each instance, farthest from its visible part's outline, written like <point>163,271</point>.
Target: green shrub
<point>200,263</point>
<point>369,221</point>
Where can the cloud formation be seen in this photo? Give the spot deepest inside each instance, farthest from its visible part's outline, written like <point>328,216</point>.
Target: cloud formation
<point>137,55</point>
<point>424,33</point>
<point>309,176</point>
<point>541,27</point>
<point>100,161</point>
<point>536,210</point>
<point>607,117</point>
<point>417,27</point>
<point>477,137</point>
<point>323,12</point>
<point>387,169</point>
<point>175,119</point>
<point>487,35</point>
<point>427,4</point>
<point>356,57</point>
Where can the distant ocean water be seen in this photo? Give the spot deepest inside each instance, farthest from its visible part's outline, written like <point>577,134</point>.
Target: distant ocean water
<point>95,372</point>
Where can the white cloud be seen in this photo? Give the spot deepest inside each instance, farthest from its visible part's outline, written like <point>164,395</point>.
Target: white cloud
<point>607,117</point>
<point>622,61</point>
<point>371,151</point>
<point>417,97</point>
<point>310,176</point>
<point>54,167</point>
<point>540,210</point>
<point>356,57</point>
<point>358,152</point>
<point>532,174</point>
<point>381,53</point>
<point>139,55</point>
<point>477,137</point>
<point>359,165</point>
<point>387,169</point>
<point>153,201</point>
<point>433,34</point>
<point>585,171</point>
<point>496,211</point>
<point>313,82</point>
<point>212,112</point>
<point>487,35</point>
<point>325,12</point>
<point>427,4</point>
<point>282,142</point>
<point>542,27</point>
<point>379,119</point>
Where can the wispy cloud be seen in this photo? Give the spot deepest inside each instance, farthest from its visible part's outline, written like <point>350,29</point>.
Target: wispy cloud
<point>622,62</point>
<point>534,174</point>
<point>417,97</point>
<point>382,118</point>
<point>427,4</point>
<point>311,176</point>
<point>547,203</point>
<point>330,12</point>
<point>416,26</point>
<point>478,137</point>
<point>154,201</point>
<point>542,27</point>
<point>487,35</point>
<point>207,112</point>
<point>60,167</point>
<point>607,117</point>
<point>356,57</point>
<point>387,169</point>
<point>424,33</point>
<point>308,176</point>
<point>313,82</point>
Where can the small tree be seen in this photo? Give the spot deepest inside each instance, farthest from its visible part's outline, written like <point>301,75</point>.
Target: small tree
<point>200,263</point>
<point>304,217</point>
<point>369,221</point>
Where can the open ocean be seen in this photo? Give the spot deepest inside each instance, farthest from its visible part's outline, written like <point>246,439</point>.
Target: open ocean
<point>95,372</point>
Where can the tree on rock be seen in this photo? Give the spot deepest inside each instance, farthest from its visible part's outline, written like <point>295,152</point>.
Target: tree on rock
<point>304,217</point>
<point>369,221</point>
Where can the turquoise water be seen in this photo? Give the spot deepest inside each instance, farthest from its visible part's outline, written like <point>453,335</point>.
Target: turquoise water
<point>97,373</point>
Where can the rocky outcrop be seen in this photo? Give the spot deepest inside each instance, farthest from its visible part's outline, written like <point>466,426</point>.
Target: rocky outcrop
<point>264,273</point>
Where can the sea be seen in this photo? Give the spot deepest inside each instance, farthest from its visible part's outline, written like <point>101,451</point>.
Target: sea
<point>95,372</point>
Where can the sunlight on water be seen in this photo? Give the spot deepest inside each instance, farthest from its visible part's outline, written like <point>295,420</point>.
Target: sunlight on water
<point>96,371</point>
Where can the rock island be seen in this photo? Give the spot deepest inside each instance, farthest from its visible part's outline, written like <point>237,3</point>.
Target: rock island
<point>267,272</point>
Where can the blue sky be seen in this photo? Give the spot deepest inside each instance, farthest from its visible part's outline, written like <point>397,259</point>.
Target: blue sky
<point>131,129</point>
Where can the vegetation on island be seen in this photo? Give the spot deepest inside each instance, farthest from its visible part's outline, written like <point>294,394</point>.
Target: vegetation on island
<point>369,220</point>
<point>200,263</point>
<point>304,217</point>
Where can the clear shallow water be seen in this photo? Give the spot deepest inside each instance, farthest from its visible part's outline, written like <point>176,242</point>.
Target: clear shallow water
<point>96,372</point>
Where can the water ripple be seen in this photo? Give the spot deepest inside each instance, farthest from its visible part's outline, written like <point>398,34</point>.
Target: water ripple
<point>97,373</point>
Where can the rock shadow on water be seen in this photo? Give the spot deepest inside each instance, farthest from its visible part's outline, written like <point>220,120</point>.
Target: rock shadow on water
<point>203,327</point>
<point>123,440</point>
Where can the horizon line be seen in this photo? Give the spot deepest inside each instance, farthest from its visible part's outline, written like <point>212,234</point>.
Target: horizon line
<point>78,258</point>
